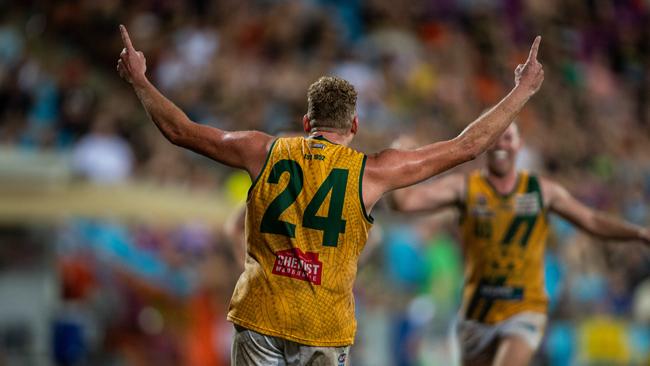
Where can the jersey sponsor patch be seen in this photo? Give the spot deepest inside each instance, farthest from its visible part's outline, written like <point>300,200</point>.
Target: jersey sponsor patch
<point>527,204</point>
<point>296,264</point>
<point>496,292</point>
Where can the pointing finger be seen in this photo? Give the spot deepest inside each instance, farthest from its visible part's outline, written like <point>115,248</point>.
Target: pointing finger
<point>533,50</point>
<point>126,39</point>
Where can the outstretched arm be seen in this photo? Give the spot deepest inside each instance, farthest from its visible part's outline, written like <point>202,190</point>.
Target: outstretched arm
<point>429,197</point>
<point>242,149</point>
<point>393,168</point>
<point>597,223</point>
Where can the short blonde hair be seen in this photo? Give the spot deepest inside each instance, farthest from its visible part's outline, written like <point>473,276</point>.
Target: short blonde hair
<point>331,103</point>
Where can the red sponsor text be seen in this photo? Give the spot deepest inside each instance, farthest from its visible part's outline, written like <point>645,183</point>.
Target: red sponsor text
<point>296,264</point>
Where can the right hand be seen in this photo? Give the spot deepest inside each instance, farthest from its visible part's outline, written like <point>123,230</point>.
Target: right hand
<point>530,75</point>
<point>132,65</point>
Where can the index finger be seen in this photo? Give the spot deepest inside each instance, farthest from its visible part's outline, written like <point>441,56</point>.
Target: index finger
<point>126,39</point>
<point>533,50</point>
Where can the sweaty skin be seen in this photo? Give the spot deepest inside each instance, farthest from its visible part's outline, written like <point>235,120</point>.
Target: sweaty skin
<point>385,171</point>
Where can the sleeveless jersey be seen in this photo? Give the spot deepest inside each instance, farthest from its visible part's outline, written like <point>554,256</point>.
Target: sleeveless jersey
<point>504,238</point>
<point>305,228</point>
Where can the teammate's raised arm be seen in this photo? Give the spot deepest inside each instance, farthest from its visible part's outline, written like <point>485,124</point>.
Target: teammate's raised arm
<point>592,221</point>
<point>393,168</point>
<point>242,149</point>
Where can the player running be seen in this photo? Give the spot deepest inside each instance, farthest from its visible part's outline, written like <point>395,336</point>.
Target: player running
<point>504,225</point>
<point>307,216</point>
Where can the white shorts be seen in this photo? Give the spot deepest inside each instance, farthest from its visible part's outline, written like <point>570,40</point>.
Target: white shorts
<point>250,348</point>
<point>474,337</point>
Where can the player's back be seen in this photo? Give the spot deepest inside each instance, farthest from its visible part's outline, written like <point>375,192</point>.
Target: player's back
<point>504,240</point>
<point>305,227</point>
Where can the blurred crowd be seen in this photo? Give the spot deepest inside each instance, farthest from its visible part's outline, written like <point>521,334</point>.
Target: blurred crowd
<point>138,294</point>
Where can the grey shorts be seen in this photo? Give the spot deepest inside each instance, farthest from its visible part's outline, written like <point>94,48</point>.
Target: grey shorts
<point>250,348</point>
<point>475,337</point>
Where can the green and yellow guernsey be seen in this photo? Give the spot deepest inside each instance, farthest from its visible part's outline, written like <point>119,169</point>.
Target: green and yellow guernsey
<point>504,238</point>
<point>305,228</point>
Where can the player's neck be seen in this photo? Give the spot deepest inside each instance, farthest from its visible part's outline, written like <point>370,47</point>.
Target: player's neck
<point>504,184</point>
<point>331,136</point>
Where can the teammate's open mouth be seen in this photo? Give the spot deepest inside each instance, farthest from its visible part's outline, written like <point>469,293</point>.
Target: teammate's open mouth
<point>500,154</point>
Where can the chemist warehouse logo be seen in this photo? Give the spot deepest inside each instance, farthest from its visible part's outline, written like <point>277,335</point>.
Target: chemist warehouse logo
<point>296,264</point>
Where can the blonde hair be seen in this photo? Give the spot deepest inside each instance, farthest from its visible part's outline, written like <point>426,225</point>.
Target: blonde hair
<point>331,103</point>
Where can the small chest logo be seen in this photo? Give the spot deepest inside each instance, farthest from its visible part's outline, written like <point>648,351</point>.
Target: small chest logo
<point>296,264</point>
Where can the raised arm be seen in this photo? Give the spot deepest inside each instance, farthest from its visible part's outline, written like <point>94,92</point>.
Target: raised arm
<point>395,168</point>
<point>241,149</point>
<point>443,192</point>
<point>597,223</point>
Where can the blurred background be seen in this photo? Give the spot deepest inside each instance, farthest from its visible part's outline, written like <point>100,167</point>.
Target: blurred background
<point>117,248</point>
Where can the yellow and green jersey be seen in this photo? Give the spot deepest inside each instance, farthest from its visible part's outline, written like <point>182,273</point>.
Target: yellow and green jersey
<point>504,237</point>
<point>305,228</point>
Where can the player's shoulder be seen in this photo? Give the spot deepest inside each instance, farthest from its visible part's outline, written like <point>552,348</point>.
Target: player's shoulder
<point>254,139</point>
<point>551,189</point>
<point>379,166</point>
<point>383,161</point>
<point>548,185</point>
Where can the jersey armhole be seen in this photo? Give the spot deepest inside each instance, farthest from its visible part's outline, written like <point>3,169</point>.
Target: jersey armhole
<point>368,218</point>
<point>268,157</point>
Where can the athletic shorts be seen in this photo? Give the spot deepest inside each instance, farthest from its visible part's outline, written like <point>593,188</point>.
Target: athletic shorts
<point>250,348</point>
<point>474,337</point>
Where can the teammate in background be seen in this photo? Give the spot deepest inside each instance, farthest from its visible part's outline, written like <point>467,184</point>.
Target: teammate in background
<point>307,216</point>
<point>504,224</point>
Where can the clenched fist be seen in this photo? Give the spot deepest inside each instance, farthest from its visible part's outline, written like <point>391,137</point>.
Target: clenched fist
<point>531,74</point>
<point>132,65</point>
